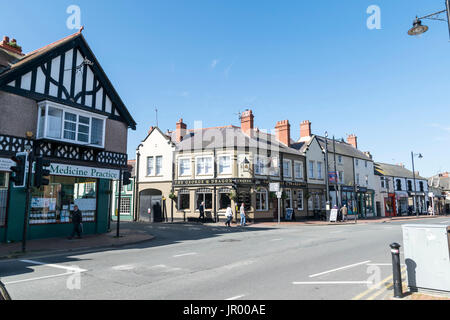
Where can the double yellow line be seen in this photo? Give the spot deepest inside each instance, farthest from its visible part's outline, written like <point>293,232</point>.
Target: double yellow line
<point>384,285</point>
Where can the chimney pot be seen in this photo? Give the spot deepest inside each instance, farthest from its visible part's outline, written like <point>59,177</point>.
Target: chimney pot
<point>283,132</point>
<point>180,130</point>
<point>247,121</point>
<point>353,140</point>
<point>305,129</point>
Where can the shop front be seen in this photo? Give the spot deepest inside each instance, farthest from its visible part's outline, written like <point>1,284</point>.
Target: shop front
<point>403,203</point>
<point>316,201</point>
<point>365,202</point>
<point>421,201</point>
<point>390,205</point>
<point>50,206</point>
<point>348,199</point>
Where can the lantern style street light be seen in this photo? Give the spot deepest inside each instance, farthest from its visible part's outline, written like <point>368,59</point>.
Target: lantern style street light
<point>419,155</point>
<point>419,29</point>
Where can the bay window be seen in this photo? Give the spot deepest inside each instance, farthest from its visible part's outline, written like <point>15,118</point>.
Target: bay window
<point>68,124</point>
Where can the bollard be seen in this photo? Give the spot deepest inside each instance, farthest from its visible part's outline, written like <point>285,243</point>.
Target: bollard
<point>397,275</point>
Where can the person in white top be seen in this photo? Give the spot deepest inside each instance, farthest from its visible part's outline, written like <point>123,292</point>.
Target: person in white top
<point>229,215</point>
<point>242,211</point>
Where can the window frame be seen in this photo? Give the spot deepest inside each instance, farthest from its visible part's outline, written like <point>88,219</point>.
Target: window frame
<point>219,157</point>
<point>189,160</point>
<point>296,162</point>
<point>311,169</point>
<point>300,192</point>
<point>45,105</point>
<point>266,203</point>
<point>212,165</point>
<point>289,161</point>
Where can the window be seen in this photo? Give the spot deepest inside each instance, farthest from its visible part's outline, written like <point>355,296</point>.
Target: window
<point>185,167</point>
<point>150,165</point>
<point>317,202</point>
<point>357,178</point>
<point>261,166</point>
<point>356,162</point>
<point>319,170</point>
<point>288,200</point>
<point>367,180</point>
<point>421,186</point>
<point>382,182</point>
<point>287,168</point>
<point>409,185</point>
<point>224,198</point>
<point>340,159</point>
<point>204,165</point>
<point>71,125</point>
<point>298,169</point>
<point>224,164</point>
<point>125,206</point>
<point>261,200</point>
<point>341,176</point>
<point>158,168</point>
<point>311,169</point>
<point>53,203</point>
<point>204,195</point>
<point>365,163</point>
<point>300,200</point>
<point>399,185</point>
<point>183,200</point>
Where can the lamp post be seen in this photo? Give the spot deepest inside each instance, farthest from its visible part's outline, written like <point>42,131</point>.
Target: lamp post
<point>419,29</point>
<point>327,176</point>
<point>419,155</point>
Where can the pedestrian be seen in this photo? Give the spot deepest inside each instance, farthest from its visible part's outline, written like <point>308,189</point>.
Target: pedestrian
<point>77,221</point>
<point>242,211</point>
<point>229,215</point>
<point>344,212</point>
<point>202,211</point>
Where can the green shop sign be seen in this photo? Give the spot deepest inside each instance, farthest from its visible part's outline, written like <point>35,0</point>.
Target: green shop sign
<point>85,172</point>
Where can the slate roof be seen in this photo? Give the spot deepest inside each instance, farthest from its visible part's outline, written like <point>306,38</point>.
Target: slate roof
<point>343,148</point>
<point>391,170</point>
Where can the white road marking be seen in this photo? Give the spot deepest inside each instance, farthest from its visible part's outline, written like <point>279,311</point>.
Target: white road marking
<point>124,267</point>
<point>383,264</point>
<point>276,239</point>
<point>237,264</point>
<point>72,269</point>
<point>447,221</point>
<point>184,254</point>
<point>40,278</point>
<point>337,269</point>
<point>236,297</point>
<point>334,282</point>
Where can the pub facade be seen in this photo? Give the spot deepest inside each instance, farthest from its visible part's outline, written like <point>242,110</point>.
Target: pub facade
<point>58,103</point>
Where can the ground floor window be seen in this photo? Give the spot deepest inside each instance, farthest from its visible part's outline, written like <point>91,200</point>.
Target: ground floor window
<point>125,206</point>
<point>348,199</point>
<point>3,197</point>
<point>204,195</point>
<point>54,203</point>
<point>261,200</point>
<point>300,199</point>
<point>224,198</point>
<point>288,199</point>
<point>184,200</point>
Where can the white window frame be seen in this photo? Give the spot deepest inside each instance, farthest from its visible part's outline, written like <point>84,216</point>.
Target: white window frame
<point>319,170</point>
<point>289,196</point>
<point>300,196</point>
<point>65,109</point>
<point>230,171</point>
<point>261,163</point>
<point>152,167</point>
<point>212,165</point>
<point>289,167</point>
<point>311,170</point>
<point>190,167</point>
<point>266,204</point>
<point>161,169</point>
<point>301,169</point>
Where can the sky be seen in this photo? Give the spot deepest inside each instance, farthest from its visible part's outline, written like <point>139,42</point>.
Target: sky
<point>208,60</point>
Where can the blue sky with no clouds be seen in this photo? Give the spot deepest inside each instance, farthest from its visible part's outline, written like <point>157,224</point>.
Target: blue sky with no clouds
<point>296,60</point>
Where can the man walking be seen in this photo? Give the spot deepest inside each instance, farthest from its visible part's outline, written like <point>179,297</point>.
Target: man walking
<point>229,215</point>
<point>344,212</point>
<point>202,211</point>
<point>242,211</point>
<point>77,219</point>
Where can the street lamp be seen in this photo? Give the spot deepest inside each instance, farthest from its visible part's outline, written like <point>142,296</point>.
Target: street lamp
<point>327,209</point>
<point>419,155</point>
<point>419,29</point>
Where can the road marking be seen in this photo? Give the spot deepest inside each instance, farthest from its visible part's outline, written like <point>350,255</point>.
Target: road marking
<point>236,297</point>
<point>386,287</point>
<point>72,269</point>
<point>40,278</point>
<point>184,254</point>
<point>375,287</point>
<point>276,239</point>
<point>337,269</point>
<point>334,282</point>
<point>124,267</point>
<point>383,264</point>
<point>447,221</point>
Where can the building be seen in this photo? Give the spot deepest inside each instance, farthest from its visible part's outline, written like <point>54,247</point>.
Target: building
<point>57,102</point>
<point>222,166</point>
<point>396,192</point>
<point>352,180</point>
<point>127,197</point>
<point>440,186</point>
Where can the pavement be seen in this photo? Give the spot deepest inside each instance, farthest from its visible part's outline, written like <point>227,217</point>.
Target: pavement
<point>129,235</point>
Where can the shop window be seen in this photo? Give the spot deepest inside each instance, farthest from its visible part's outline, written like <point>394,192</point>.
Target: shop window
<point>68,124</point>
<point>300,200</point>
<point>204,195</point>
<point>310,203</point>
<point>54,203</point>
<point>261,200</point>
<point>224,199</point>
<point>184,200</point>
<point>288,200</point>
<point>125,206</point>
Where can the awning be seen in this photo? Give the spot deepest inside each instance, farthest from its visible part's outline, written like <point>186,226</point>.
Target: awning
<point>401,194</point>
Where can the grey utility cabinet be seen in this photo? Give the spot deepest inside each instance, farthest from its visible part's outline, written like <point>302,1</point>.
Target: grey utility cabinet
<point>427,256</point>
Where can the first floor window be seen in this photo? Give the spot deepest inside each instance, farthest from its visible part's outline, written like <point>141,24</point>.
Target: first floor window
<point>287,168</point>
<point>204,165</point>
<point>185,167</point>
<point>300,200</point>
<point>158,167</point>
<point>183,200</point>
<point>311,169</point>
<point>298,170</point>
<point>225,164</point>
<point>261,200</point>
<point>319,170</point>
<point>55,202</point>
<point>150,165</point>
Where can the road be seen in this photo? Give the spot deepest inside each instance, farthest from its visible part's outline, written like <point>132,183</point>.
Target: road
<point>199,262</point>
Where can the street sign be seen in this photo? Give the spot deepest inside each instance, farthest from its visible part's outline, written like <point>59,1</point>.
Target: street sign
<point>274,187</point>
<point>279,194</point>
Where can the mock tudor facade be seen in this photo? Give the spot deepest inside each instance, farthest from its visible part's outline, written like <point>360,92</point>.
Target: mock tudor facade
<point>58,102</point>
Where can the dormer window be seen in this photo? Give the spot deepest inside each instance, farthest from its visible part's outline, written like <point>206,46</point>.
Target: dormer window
<point>59,122</point>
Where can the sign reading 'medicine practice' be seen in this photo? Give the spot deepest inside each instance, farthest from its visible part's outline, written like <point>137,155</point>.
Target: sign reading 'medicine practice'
<point>58,169</point>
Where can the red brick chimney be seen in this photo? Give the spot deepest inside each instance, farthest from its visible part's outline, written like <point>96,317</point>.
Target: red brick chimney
<point>305,129</point>
<point>283,132</point>
<point>181,130</point>
<point>247,121</point>
<point>150,130</point>
<point>353,140</point>
<point>11,45</point>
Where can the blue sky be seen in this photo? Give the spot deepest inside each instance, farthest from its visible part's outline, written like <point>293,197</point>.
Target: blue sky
<point>296,60</point>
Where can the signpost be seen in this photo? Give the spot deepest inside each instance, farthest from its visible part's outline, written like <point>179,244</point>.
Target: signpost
<point>279,194</point>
